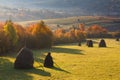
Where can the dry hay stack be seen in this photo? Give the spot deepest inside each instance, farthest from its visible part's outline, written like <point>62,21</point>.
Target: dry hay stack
<point>79,44</point>
<point>117,39</point>
<point>24,59</point>
<point>48,61</point>
<point>90,43</point>
<point>102,43</point>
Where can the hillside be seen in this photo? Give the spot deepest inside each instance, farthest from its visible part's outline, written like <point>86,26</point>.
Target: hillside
<point>72,62</point>
<point>111,23</point>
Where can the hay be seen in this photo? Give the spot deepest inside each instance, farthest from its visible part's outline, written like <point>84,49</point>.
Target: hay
<point>89,43</point>
<point>117,39</point>
<point>102,43</point>
<point>48,61</point>
<point>79,44</point>
<point>24,59</point>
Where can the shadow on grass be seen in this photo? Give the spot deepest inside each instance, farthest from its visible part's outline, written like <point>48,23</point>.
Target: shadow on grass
<point>105,47</point>
<point>36,71</point>
<point>59,69</point>
<point>66,50</point>
<point>7,71</point>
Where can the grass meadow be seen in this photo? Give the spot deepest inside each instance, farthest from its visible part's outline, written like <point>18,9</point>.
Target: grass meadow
<point>72,62</point>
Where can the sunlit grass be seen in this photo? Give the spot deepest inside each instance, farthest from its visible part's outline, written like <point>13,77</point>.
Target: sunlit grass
<point>72,62</point>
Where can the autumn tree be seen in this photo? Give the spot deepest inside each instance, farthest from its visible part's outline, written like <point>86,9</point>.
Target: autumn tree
<point>4,43</point>
<point>82,27</point>
<point>68,36</point>
<point>72,34</point>
<point>96,31</point>
<point>11,32</point>
<point>80,35</point>
<point>42,35</point>
<point>22,35</point>
<point>1,25</point>
<point>59,33</point>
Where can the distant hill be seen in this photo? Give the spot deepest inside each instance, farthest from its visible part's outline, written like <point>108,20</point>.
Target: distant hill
<point>110,23</point>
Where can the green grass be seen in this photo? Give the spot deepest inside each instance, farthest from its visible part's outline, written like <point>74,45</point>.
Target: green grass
<point>72,63</point>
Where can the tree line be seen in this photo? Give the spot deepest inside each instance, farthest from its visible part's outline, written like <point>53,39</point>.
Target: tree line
<point>81,32</point>
<point>14,36</point>
<point>38,35</point>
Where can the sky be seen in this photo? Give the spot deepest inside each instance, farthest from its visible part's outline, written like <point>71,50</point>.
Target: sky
<point>53,3</point>
<point>76,7</point>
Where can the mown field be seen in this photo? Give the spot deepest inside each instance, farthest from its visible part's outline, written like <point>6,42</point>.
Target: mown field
<point>72,62</point>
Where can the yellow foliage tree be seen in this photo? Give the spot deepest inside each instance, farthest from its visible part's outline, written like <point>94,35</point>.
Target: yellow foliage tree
<point>11,32</point>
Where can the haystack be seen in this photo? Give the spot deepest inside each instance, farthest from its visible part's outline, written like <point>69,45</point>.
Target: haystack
<point>117,39</point>
<point>79,44</point>
<point>48,61</point>
<point>102,43</point>
<point>24,59</point>
<point>90,43</point>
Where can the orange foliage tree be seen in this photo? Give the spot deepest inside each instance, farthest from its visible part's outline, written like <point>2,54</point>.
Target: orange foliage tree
<point>41,34</point>
<point>82,27</point>
<point>59,35</point>
<point>80,35</point>
<point>67,36</point>
<point>96,31</point>
<point>22,35</point>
